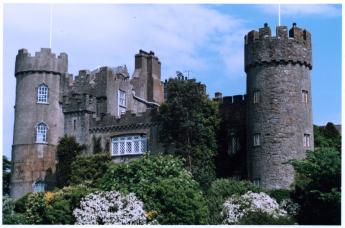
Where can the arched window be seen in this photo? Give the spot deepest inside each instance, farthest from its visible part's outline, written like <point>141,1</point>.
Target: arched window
<point>42,94</point>
<point>38,185</point>
<point>41,133</point>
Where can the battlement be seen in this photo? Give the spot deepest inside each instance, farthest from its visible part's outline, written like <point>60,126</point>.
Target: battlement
<point>42,61</point>
<point>286,47</point>
<point>230,100</point>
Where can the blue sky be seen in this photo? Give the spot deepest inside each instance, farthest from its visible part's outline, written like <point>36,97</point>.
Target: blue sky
<point>205,40</point>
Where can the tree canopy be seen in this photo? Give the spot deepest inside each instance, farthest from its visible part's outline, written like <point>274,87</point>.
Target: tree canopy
<point>188,125</point>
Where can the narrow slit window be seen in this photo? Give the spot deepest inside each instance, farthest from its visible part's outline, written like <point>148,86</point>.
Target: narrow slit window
<point>305,96</point>
<point>306,140</point>
<point>256,97</point>
<point>256,140</point>
<point>121,102</point>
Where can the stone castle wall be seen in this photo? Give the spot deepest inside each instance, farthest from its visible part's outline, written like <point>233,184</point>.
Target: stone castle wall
<point>86,107</point>
<point>33,160</point>
<point>278,70</point>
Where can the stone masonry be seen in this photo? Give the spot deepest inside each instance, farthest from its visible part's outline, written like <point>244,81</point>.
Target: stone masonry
<point>260,131</point>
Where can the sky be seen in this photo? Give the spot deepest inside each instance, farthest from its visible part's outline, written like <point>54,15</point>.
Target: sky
<point>204,41</point>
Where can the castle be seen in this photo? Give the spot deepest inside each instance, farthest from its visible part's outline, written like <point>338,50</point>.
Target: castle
<point>261,130</point>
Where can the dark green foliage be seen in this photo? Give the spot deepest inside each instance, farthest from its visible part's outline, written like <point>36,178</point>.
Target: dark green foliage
<point>189,121</point>
<point>89,169</point>
<point>163,185</point>
<point>51,207</point>
<point>280,194</point>
<point>327,136</point>
<point>35,208</point>
<point>262,218</point>
<point>19,204</point>
<point>220,190</point>
<point>97,146</point>
<point>6,175</point>
<point>9,216</point>
<point>67,151</point>
<point>59,209</point>
<point>317,187</point>
<point>318,180</point>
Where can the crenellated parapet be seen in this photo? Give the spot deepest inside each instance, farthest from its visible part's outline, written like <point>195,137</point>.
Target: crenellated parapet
<point>230,100</point>
<point>43,61</point>
<point>293,46</point>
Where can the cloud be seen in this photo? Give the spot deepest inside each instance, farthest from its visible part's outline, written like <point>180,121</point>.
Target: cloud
<point>193,38</point>
<point>111,34</point>
<point>304,10</point>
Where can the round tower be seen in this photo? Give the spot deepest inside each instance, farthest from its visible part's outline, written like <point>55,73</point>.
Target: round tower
<point>279,117</point>
<point>38,120</point>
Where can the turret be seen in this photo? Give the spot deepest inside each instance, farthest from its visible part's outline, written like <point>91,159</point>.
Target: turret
<point>38,119</point>
<point>279,117</point>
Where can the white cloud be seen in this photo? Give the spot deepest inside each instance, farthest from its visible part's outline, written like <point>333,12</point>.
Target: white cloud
<point>322,10</point>
<point>185,37</point>
<point>94,33</point>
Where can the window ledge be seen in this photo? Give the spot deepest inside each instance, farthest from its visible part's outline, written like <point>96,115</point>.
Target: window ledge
<point>43,103</point>
<point>46,143</point>
<point>122,155</point>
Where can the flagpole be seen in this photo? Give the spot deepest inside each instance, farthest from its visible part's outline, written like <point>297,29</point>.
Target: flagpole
<point>279,14</point>
<point>50,26</point>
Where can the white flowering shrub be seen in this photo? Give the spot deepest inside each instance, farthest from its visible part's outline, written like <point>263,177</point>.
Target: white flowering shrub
<point>236,207</point>
<point>110,208</point>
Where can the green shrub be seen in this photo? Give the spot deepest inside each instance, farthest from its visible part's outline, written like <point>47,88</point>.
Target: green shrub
<point>222,189</point>
<point>60,204</point>
<point>262,218</point>
<point>9,216</point>
<point>19,204</point>
<point>89,169</point>
<point>35,208</point>
<point>318,187</point>
<point>67,150</point>
<point>280,194</point>
<point>163,185</point>
<point>51,207</point>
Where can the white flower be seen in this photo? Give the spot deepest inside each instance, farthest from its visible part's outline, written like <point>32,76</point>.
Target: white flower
<point>110,208</point>
<point>236,206</point>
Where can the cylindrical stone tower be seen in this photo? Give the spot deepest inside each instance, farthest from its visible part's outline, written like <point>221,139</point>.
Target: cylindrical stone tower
<point>279,116</point>
<point>39,120</point>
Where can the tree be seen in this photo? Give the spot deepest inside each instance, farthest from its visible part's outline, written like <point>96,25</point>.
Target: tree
<point>6,175</point>
<point>97,146</point>
<point>164,185</point>
<point>67,151</point>
<point>188,125</point>
<point>327,136</point>
<point>89,169</point>
<point>317,187</point>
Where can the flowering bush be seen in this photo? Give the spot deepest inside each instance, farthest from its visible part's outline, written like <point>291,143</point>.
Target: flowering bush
<point>238,207</point>
<point>164,186</point>
<point>110,208</point>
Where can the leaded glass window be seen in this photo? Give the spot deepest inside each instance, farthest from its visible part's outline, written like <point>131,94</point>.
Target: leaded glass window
<point>129,144</point>
<point>41,133</point>
<point>42,94</point>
